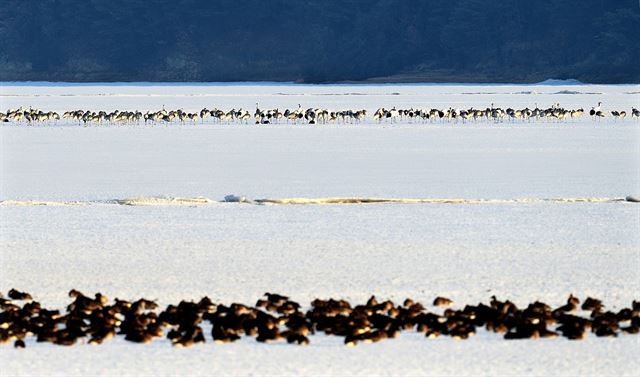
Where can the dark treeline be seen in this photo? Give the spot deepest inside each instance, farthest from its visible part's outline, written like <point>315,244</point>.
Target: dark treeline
<point>320,41</point>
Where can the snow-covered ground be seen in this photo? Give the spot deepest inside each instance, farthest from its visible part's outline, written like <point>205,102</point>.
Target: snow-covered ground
<point>523,251</point>
<point>141,96</point>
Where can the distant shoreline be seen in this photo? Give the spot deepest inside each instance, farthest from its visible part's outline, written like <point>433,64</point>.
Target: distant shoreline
<point>370,82</point>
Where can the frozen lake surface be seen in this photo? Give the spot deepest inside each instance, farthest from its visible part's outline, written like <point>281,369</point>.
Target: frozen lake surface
<point>235,251</point>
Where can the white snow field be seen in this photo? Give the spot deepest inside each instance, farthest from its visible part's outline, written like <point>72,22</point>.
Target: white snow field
<point>537,212</point>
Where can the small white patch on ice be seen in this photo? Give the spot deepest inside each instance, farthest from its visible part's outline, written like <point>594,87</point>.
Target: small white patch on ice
<point>237,199</point>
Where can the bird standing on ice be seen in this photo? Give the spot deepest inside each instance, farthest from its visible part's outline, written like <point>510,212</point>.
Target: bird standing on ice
<point>597,111</point>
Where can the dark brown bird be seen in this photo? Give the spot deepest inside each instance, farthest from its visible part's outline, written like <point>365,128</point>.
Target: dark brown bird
<point>17,295</point>
<point>442,301</point>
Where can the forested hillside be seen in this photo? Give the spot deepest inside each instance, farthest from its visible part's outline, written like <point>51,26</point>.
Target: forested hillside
<point>320,41</point>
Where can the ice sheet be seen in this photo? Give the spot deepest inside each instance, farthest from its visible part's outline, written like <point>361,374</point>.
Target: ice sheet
<point>521,250</point>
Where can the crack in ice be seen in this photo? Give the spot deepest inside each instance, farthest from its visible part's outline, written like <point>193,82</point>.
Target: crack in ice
<point>201,200</point>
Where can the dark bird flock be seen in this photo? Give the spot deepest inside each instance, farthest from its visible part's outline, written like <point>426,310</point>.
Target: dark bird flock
<point>555,113</point>
<point>275,318</point>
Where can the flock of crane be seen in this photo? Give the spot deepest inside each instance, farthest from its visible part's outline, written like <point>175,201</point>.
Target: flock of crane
<point>300,115</point>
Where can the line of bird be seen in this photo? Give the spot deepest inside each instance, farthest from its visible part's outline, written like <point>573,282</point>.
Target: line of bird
<point>308,115</point>
<point>275,317</point>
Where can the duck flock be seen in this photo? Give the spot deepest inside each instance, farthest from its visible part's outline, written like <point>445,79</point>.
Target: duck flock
<point>31,116</point>
<point>275,317</point>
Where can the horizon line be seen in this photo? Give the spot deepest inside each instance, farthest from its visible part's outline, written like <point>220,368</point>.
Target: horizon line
<point>548,82</point>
